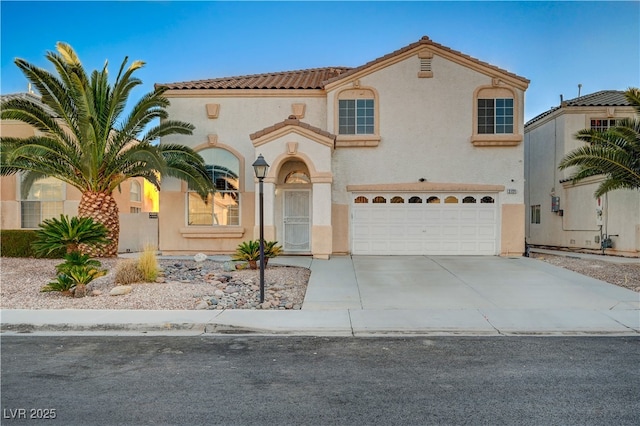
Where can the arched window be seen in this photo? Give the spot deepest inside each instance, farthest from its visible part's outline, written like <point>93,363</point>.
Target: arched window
<point>469,200</point>
<point>487,199</point>
<point>415,200</point>
<point>297,176</point>
<point>223,208</point>
<point>397,200</point>
<point>361,200</point>
<point>135,192</point>
<point>433,200</point>
<point>379,200</point>
<point>451,200</point>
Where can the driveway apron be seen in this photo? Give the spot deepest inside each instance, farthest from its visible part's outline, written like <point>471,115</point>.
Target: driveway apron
<point>464,282</point>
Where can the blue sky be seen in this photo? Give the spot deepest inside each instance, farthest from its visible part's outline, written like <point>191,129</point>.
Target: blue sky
<point>557,45</point>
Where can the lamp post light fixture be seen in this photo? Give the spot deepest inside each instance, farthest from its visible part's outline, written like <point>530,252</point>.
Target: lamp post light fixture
<point>260,167</point>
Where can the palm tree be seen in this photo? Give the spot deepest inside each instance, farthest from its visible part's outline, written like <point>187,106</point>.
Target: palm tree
<point>86,141</point>
<point>614,153</point>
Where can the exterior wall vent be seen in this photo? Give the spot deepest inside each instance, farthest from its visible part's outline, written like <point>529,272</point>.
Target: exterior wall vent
<point>425,68</point>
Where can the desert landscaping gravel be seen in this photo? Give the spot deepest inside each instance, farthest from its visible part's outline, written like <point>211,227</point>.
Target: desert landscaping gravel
<point>186,284</point>
<point>206,285</point>
<point>625,275</point>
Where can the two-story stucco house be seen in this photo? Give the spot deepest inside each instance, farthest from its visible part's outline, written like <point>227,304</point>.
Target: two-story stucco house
<point>419,151</point>
<point>561,213</point>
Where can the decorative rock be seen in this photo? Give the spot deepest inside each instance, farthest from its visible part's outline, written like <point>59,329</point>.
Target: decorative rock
<point>160,280</point>
<point>202,305</point>
<point>218,293</point>
<point>200,257</point>
<point>120,290</point>
<point>96,293</point>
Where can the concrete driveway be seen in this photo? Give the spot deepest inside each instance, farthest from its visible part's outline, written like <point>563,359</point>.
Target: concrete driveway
<point>462,282</point>
<point>471,293</point>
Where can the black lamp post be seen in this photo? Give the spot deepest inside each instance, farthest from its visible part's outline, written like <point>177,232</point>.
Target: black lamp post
<point>260,167</point>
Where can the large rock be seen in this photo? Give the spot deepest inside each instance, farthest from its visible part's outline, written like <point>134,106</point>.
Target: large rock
<point>120,290</point>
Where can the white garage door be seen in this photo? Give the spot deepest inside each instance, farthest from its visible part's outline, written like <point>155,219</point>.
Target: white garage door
<point>424,224</point>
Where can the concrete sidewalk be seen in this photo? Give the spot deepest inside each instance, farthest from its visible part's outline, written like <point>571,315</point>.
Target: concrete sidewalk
<point>373,295</point>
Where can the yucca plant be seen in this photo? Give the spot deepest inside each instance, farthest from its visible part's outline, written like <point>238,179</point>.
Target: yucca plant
<point>74,259</point>
<point>248,251</point>
<point>77,271</point>
<point>63,283</point>
<point>68,233</point>
<point>271,249</point>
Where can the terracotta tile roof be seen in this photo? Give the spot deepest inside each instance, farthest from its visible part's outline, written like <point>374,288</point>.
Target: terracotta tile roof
<point>315,78</point>
<point>424,41</point>
<point>601,98</point>
<point>300,79</point>
<point>291,121</point>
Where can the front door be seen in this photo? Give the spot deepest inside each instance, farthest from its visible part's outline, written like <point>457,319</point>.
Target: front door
<point>297,229</point>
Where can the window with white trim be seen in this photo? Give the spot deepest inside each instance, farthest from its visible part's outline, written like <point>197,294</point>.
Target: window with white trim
<point>135,192</point>
<point>495,116</point>
<point>356,116</point>
<point>603,124</point>
<point>45,201</point>
<point>223,206</point>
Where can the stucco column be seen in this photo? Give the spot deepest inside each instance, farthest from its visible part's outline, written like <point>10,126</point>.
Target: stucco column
<point>269,212</point>
<point>321,231</point>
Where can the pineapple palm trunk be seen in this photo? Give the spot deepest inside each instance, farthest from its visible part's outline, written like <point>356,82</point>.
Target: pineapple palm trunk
<point>101,207</point>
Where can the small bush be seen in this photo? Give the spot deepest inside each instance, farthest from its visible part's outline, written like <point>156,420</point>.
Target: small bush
<point>128,272</point>
<point>17,243</point>
<point>148,264</point>
<point>77,271</point>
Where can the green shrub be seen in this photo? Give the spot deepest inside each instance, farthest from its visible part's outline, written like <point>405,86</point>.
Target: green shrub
<point>17,243</point>
<point>63,283</point>
<point>249,251</point>
<point>77,271</point>
<point>68,233</point>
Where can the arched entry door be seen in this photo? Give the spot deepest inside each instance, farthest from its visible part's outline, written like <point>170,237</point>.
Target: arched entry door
<point>296,207</point>
<point>297,220</point>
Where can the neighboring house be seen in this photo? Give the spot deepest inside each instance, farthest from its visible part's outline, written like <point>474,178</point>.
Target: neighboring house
<point>417,152</point>
<point>561,213</point>
<point>51,197</point>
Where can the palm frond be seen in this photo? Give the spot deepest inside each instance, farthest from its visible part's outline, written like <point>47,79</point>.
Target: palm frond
<point>614,153</point>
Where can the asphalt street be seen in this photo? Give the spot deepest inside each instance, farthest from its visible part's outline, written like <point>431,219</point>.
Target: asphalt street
<point>261,380</point>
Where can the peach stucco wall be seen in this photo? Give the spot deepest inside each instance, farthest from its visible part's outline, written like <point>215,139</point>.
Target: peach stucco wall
<point>425,130</point>
<point>512,230</point>
<point>10,197</point>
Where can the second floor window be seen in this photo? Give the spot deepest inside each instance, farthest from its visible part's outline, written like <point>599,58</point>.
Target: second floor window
<point>135,193</point>
<point>356,116</point>
<point>495,116</point>
<point>602,124</point>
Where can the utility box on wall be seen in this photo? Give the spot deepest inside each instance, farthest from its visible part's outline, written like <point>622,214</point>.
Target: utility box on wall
<point>555,204</point>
